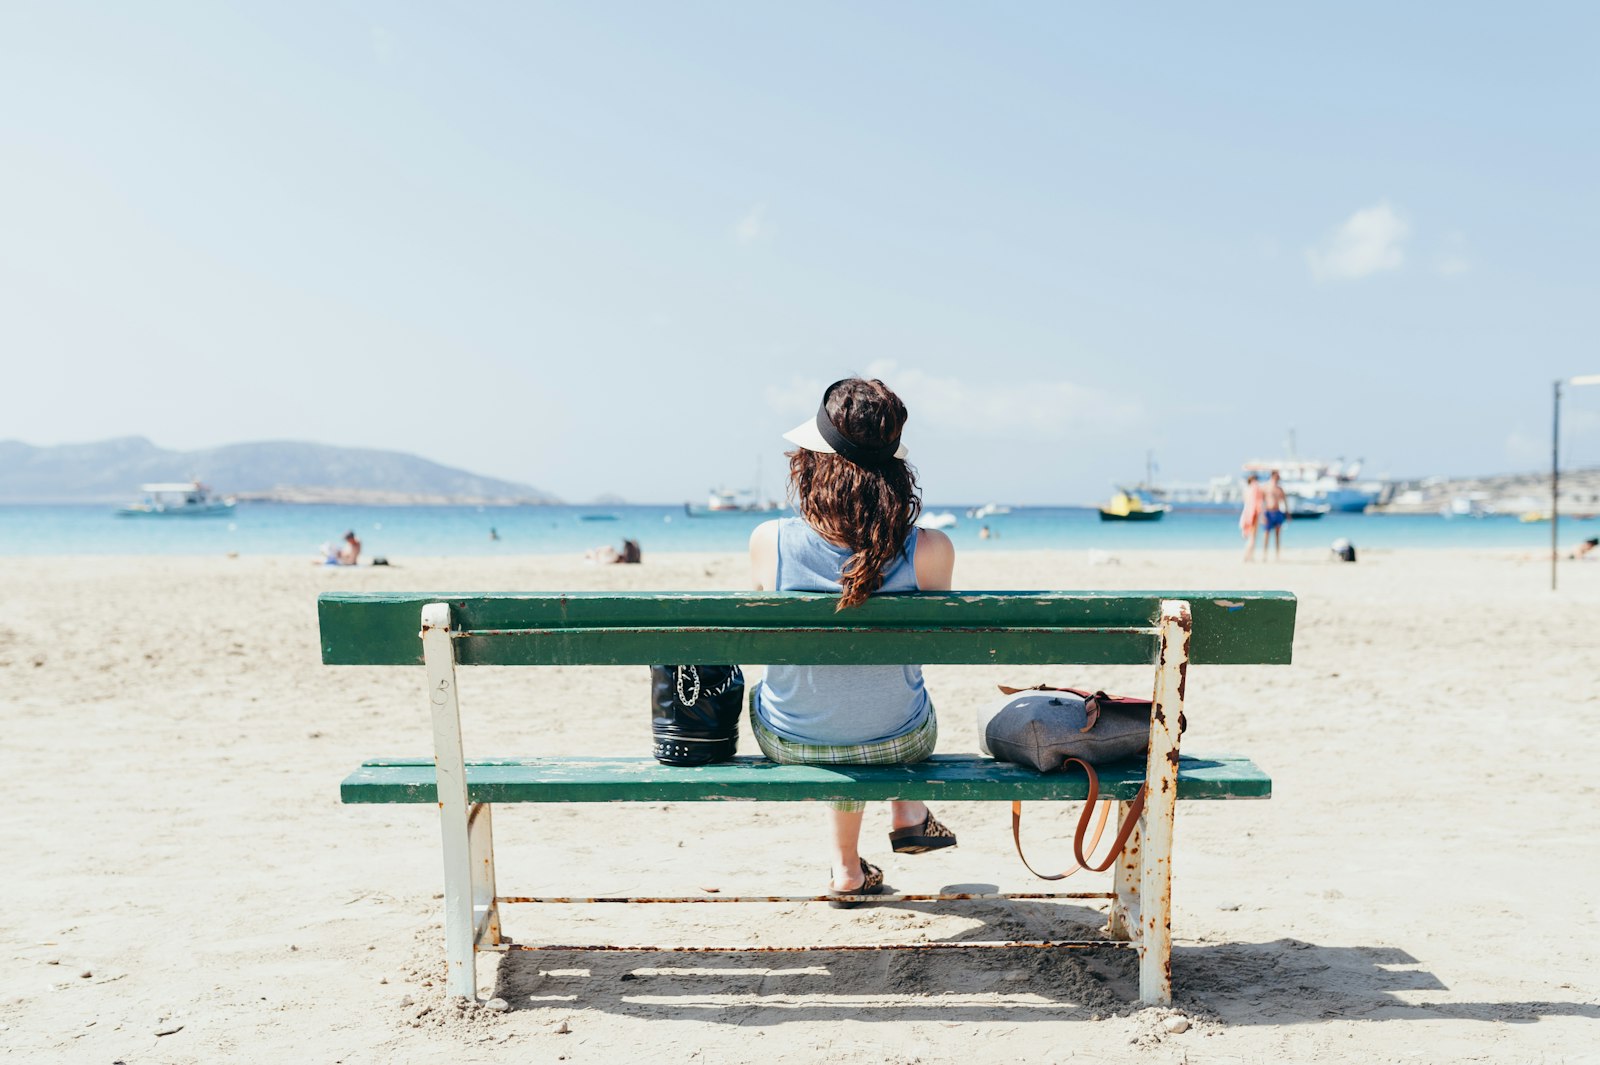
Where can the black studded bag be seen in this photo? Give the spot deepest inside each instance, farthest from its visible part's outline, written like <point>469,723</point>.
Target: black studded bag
<point>695,713</point>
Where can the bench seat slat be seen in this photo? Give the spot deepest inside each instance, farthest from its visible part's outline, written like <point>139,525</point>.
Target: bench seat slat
<point>941,778</point>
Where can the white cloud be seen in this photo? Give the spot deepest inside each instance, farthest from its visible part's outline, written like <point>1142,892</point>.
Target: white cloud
<point>1453,259</point>
<point>1368,242</point>
<point>753,226</point>
<point>385,46</point>
<point>1025,409</point>
<point>797,398</point>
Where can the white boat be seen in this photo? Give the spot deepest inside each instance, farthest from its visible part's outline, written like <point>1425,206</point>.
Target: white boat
<point>178,499</point>
<point>1128,506</point>
<point>1337,484</point>
<point>724,501</point>
<point>1467,505</point>
<point>942,520</point>
<point>988,510</point>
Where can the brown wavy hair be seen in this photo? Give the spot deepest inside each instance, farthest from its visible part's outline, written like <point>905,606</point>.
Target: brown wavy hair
<point>869,509</point>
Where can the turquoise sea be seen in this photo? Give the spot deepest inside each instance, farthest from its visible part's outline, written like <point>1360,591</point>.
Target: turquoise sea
<point>396,532</point>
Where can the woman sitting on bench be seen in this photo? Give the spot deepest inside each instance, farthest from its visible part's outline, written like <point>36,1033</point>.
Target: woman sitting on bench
<point>856,535</point>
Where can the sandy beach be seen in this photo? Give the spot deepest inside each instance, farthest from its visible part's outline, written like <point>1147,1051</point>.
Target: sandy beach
<point>1419,888</point>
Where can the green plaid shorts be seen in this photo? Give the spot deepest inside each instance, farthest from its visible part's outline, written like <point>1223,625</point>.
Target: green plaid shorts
<point>913,746</point>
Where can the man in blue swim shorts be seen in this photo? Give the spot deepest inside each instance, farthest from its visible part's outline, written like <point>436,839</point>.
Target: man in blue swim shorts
<point>1276,502</point>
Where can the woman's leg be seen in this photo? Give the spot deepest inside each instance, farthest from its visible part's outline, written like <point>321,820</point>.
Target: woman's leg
<point>846,816</point>
<point>847,874</point>
<point>847,838</point>
<point>907,814</point>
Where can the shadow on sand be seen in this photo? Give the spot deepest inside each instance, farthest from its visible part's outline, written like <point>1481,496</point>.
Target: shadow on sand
<point>1284,981</point>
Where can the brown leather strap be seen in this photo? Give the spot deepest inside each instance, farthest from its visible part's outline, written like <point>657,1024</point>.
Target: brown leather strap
<point>1129,824</point>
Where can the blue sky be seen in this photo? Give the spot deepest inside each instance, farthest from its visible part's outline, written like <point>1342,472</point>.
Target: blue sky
<point>620,248</point>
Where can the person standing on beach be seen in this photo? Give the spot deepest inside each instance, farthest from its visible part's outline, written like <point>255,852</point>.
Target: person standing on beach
<point>856,536</point>
<point>1250,517</point>
<point>1276,502</point>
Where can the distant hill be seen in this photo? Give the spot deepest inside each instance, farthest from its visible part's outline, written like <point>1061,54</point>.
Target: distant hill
<point>112,470</point>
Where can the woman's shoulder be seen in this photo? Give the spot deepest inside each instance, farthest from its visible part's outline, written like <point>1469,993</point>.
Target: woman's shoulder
<point>765,534</point>
<point>933,541</point>
<point>935,560</point>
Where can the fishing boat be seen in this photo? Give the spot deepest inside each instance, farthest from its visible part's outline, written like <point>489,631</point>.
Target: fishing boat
<point>1125,506</point>
<point>1219,495</point>
<point>178,499</point>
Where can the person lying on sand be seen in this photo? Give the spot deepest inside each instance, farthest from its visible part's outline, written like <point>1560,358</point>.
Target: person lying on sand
<point>350,553</point>
<point>1585,551</point>
<point>608,555</point>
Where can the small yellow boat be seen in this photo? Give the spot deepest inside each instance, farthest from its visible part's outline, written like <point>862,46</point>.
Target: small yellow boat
<point>1127,507</point>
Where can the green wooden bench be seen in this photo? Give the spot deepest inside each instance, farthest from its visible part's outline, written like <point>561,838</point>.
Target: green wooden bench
<point>1169,630</point>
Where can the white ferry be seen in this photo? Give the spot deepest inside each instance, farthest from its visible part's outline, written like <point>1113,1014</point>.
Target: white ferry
<point>1312,487</point>
<point>1336,484</point>
<point>178,499</point>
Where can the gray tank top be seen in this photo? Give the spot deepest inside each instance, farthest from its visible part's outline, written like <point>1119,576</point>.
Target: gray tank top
<point>838,705</point>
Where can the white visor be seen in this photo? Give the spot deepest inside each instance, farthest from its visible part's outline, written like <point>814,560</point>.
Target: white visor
<point>808,436</point>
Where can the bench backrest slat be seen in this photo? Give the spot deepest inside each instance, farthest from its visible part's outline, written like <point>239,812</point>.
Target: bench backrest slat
<point>639,628</point>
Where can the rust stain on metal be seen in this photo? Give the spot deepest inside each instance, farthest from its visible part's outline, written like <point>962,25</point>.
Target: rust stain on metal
<point>1172,756</point>
<point>1038,944</point>
<point>947,896</point>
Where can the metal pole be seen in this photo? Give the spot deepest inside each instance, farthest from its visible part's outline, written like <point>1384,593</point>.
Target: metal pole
<point>1555,482</point>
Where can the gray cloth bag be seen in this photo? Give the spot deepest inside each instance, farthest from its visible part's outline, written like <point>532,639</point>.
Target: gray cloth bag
<point>1043,727</point>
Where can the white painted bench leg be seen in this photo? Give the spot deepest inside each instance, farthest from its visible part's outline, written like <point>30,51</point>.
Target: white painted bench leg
<point>450,774</point>
<point>485,914</point>
<point>1123,921</point>
<point>1161,806</point>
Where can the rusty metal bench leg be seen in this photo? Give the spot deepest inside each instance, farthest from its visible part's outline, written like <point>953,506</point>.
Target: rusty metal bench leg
<point>1161,805</point>
<point>1123,920</point>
